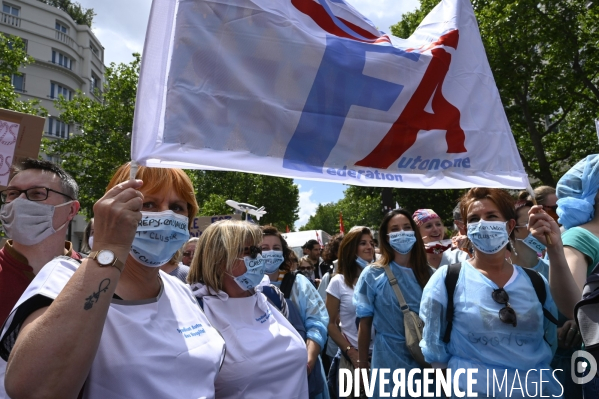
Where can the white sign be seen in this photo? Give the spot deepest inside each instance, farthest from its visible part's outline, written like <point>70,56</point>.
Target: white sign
<point>311,89</point>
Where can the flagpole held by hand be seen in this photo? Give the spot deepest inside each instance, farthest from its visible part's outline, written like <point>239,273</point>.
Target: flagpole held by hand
<point>534,201</point>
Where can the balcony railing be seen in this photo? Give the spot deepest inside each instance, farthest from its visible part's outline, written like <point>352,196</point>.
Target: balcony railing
<point>65,38</point>
<point>9,19</point>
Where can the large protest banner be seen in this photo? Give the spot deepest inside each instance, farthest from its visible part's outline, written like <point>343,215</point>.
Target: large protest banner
<point>311,89</point>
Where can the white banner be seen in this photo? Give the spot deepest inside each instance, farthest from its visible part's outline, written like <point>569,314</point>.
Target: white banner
<point>310,89</point>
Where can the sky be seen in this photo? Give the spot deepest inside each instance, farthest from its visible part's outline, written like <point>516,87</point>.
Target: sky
<point>120,25</point>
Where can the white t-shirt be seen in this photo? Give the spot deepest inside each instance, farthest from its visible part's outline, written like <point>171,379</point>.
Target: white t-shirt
<point>266,357</point>
<point>163,347</point>
<point>347,310</point>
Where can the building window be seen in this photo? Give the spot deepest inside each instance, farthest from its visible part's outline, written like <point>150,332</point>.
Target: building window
<point>94,49</point>
<point>96,83</point>
<point>10,15</point>
<point>10,9</point>
<point>56,90</point>
<point>61,59</point>
<point>18,82</point>
<point>58,128</point>
<point>62,28</point>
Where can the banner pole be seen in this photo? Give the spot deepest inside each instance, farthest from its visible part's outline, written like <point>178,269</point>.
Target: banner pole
<point>534,201</point>
<point>133,170</point>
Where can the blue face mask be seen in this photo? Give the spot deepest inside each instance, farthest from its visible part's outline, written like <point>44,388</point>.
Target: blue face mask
<point>402,241</point>
<point>361,262</point>
<point>159,235</point>
<point>488,237</point>
<point>533,243</point>
<point>254,273</point>
<point>272,260</point>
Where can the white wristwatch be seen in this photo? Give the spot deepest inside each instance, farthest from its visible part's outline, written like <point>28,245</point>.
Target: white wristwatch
<point>105,258</point>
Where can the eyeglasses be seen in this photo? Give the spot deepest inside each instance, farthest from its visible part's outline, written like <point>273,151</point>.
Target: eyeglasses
<point>305,268</point>
<point>188,254</point>
<point>32,194</point>
<point>506,314</point>
<point>252,251</point>
<point>550,207</point>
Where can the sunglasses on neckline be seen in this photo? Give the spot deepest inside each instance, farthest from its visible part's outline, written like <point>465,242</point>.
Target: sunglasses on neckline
<point>506,314</point>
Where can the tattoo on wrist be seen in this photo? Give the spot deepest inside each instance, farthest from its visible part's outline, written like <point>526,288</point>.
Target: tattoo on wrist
<point>93,298</point>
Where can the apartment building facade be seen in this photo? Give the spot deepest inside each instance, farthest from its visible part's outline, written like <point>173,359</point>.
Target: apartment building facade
<point>67,57</point>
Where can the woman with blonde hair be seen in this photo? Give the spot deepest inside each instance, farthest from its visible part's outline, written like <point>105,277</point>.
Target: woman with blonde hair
<point>118,325</point>
<point>266,357</point>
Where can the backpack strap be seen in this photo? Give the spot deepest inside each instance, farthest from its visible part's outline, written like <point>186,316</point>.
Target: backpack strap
<point>539,285</point>
<point>287,283</point>
<point>451,280</point>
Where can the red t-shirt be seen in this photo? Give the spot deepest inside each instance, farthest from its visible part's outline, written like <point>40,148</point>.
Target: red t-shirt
<point>15,276</point>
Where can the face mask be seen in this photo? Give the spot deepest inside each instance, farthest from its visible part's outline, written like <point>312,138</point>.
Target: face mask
<point>29,222</point>
<point>533,243</point>
<point>90,242</point>
<point>488,237</point>
<point>402,241</point>
<point>159,235</point>
<point>361,262</point>
<point>253,275</point>
<point>272,260</point>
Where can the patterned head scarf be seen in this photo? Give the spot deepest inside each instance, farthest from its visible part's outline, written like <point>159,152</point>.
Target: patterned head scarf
<point>421,216</point>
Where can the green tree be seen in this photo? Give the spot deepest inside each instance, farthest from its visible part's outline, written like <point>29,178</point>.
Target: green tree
<point>544,59</point>
<point>362,206</point>
<point>80,15</point>
<point>326,218</point>
<point>104,144</point>
<point>279,196</point>
<point>12,56</point>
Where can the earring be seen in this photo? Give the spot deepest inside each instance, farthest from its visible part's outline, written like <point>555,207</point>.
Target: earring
<point>513,247</point>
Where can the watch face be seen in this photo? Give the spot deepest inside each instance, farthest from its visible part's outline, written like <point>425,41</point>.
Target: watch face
<point>105,257</point>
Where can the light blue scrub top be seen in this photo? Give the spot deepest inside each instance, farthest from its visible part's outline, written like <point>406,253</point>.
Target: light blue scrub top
<point>314,316</point>
<point>543,268</point>
<point>374,297</point>
<point>480,340</point>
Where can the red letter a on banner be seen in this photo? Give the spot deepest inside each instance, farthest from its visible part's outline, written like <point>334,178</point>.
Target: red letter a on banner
<point>414,118</point>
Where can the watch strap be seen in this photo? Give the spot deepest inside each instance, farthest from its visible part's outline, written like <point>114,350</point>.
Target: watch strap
<point>116,263</point>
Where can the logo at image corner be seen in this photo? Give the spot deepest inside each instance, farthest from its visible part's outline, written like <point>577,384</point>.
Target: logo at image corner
<point>580,362</point>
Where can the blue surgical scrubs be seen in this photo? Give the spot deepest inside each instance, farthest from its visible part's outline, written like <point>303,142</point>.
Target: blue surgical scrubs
<point>512,362</point>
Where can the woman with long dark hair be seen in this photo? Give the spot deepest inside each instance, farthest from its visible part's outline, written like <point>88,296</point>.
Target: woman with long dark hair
<point>355,252</point>
<point>402,251</point>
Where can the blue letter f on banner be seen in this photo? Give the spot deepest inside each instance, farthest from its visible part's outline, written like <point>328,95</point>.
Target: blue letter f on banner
<point>339,84</point>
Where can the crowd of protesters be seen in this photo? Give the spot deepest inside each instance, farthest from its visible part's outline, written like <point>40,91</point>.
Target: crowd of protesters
<point>144,311</point>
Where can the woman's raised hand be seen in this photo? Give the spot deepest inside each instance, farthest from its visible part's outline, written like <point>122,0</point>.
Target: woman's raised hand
<point>116,216</point>
<point>541,226</point>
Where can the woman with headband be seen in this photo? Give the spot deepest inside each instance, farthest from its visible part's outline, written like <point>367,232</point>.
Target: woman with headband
<point>432,231</point>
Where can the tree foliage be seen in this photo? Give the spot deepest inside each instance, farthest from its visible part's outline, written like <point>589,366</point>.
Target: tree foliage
<point>104,144</point>
<point>279,196</point>
<point>82,16</point>
<point>12,56</point>
<point>544,57</point>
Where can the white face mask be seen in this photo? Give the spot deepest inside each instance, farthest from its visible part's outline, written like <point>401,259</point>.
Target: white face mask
<point>90,242</point>
<point>29,222</point>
